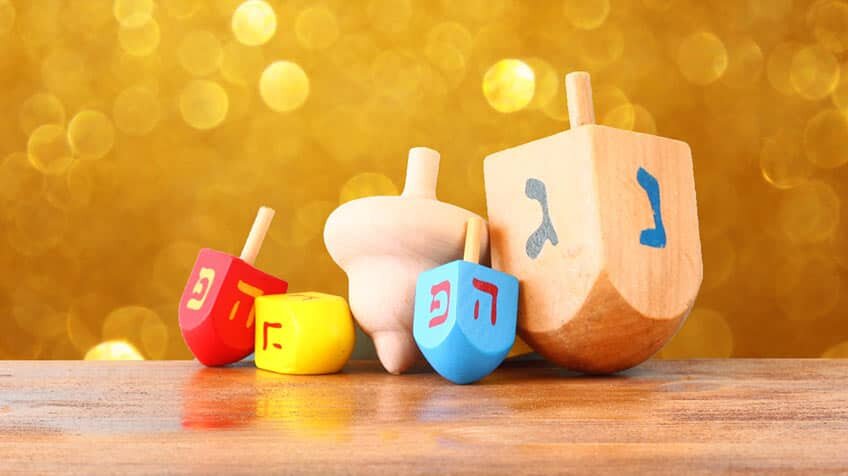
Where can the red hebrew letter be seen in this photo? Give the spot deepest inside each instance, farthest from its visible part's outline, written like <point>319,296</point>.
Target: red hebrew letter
<point>492,291</point>
<point>273,325</point>
<point>435,303</point>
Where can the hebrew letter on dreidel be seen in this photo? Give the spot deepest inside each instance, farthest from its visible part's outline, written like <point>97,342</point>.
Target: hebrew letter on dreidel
<point>265,327</point>
<point>653,237</point>
<point>535,189</point>
<point>492,291</point>
<point>251,291</point>
<point>444,286</point>
<point>201,288</point>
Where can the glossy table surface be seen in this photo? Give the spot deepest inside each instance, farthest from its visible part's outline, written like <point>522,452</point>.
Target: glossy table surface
<point>667,417</point>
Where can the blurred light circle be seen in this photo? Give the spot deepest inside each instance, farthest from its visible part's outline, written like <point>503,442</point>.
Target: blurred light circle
<point>140,40</point>
<point>779,67</point>
<point>702,58</point>
<point>745,63</point>
<point>241,64</point>
<point>796,297</point>
<point>705,334</point>
<point>91,134</point>
<point>254,22</point>
<point>40,109</point>
<point>136,110</point>
<point>38,227</point>
<point>182,9</point>
<point>133,13</point>
<point>48,149</point>
<point>782,160</point>
<point>814,73</point>
<point>546,80</point>
<point>113,350</point>
<point>840,92</point>
<point>621,117</point>
<point>308,222</point>
<point>509,85</point>
<point>826,139</point>
<point>390,16</point>
<point>316,28</point>
<point>20,180</point>
<point>586,14</point>
<point>721,255</point>
<point>200,53</point>
<point>828,20</point>
<point>139,326</point>
<point>284,86</point>
<point>366,184</point>
<point>809,213</point>
<point>7,16</point>
<point>203,104</point>
<point>643,120</point>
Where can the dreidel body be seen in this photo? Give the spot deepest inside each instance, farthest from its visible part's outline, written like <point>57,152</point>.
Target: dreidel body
<point>465,315</point>
<point>601,227</point>
<point>303,333</point>
<point>217,315</point>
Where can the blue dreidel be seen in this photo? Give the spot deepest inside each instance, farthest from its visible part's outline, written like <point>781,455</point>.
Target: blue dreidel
<point>465,314</point>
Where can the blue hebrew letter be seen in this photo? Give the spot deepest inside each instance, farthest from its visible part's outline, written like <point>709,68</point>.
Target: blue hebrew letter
<point>653,237</point>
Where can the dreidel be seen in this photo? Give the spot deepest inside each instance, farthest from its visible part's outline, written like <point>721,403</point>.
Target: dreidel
<point>465,314</point>
<point>601,227</point>
<point>216,313</point>
<point>303,333</point>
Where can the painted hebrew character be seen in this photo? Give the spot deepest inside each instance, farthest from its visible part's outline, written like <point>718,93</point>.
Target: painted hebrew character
<point>535,189</point>
<point>251,291</point>
<point>444,287</point>
<point>653,237</point>
<point>201,288</point>
<point>272,325</point>
<point>492,291</point>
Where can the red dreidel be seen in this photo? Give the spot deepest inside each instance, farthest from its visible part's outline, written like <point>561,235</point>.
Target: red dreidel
<point>216,312</point>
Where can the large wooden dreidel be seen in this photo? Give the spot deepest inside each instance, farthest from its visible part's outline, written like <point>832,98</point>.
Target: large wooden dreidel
<point>465,314</point>
<point>216,312</point>
<point>303,333</point>
<point>383,243</point>
<point>601,227</point>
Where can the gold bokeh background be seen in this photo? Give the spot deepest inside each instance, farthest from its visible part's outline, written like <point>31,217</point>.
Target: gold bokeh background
<point>135,132</point>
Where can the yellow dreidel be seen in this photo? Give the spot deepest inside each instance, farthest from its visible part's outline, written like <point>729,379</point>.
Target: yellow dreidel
<point>303,333</point>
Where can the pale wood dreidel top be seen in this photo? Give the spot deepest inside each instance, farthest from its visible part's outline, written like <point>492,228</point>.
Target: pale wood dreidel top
<point>383,243</point>
<point>600,225</point>
<point>473,229</point>
<point>217,313</point>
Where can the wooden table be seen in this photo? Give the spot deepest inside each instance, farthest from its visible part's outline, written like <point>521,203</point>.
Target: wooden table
<point>684,417</point>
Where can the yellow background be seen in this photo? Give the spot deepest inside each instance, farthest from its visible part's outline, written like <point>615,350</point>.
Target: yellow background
<point>135,132</point>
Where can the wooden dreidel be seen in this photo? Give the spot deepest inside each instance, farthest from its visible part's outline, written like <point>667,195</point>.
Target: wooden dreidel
<point>601,227</point>
<point>216,311</point>
<point>465,314</point>
<point>303,333</point>
<point>384,243</point>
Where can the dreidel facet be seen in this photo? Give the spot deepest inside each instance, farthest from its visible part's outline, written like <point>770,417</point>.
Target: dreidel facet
<point>216,313</point>
<point>601,227</point>
<point>303,333</point>
<point>465,314</point>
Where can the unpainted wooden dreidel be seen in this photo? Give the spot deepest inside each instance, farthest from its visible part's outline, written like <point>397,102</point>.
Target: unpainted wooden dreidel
<point>601,227</point>
<point>383,243</point>
<point>465,314</point>
<point>303,333</point>
<point>216,313</point>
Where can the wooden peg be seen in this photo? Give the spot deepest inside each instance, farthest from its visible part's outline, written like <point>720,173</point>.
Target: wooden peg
<point>578,89</point>
<point>257,235</point>
<point>473,230</point>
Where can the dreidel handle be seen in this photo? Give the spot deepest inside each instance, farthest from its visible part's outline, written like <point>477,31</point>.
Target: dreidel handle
<point>473,230</point>
<point>422,172</point>
<point>257,234</point>
<point>578,90</point>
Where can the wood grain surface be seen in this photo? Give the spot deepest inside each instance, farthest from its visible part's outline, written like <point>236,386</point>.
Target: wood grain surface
<point>663,417</point>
